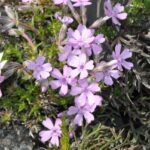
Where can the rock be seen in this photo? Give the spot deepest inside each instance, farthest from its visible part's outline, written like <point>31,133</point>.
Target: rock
<point>15,139</point>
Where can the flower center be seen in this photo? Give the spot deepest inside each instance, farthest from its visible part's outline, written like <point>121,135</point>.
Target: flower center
<point>63,80</point>
<point>82,67</point>
<point>39,68</point>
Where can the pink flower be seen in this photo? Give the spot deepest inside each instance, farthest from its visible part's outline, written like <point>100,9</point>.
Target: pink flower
<point>85,91</point>
<point>68,53</point>
<point>79,3</point>
<point>121,58</point>
<point>81,37</point>
<point>58,2</point>
<point>27,1</point>
<point>83,110</point>
<point>65,20</point>
<point>62,80</point>
<point>40,70</point>
<point>107,74</point>
<point>53,133</point>
<point>81,65</point>
<point>116,13</point>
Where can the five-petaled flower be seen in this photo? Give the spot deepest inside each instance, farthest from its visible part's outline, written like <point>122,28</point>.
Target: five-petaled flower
<point>85,91</point>
<point>107,74</point>
<point>81,65</point>
<point>53,133</point>
<point>121,57</point>
<point>83,110</point>
<point>65,19</point>
<point>116,13</point>
<point>82,37</point>
<point>62,80</point>
<point>40,70</point>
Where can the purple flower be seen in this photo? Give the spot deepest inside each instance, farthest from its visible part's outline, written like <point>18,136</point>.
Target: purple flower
<point>107,74</point>
<point>58,2</point>
<point>82,37</point>
<point>65,20</point>
<point>53,133</point>
<point>83,109</point>
<point>68,53</point>
<point>79,3</point>
<point>121,58</point>
<point>62,80</point>
<point>40,70</point>
<point>80,112</point>
<point>1,80</point>
<point>27,1</point>
<point>116,13</point>
<point>85,91</point>
<point>81,66</point>
<point>96,45</point>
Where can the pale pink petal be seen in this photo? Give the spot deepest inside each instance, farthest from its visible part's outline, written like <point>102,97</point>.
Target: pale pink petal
<point>55,140</point>
<point>78,119</point>
<point>66,71</point>
<point>117,50</point>
<point>48,123</point>
<point>127,65</point>
<point>74,73</point>
<point>99,76</point>
<point>122,16</point>
<point>63,89</point>
<point>94,87</point>
<point>45,135</point>
<point>40,60</point>
<point>72,110</point>
<point>83,74</point>
<point>58,123</point>
<point>44,74</point>
<point>82,59</point>
<point>55,84</point>
<point>96,49</point>
<point>90,98</point>
<point>80,100</point>
<point>88,117</point>
<point>47,67</point>
<point>32,65</point>
<point>108,80</point>
<point>115,21</point>
<point>75,90</point>
<point>89,65</point>
<point>56,74</point>
<point>126,54</point>
<point>73,61</point>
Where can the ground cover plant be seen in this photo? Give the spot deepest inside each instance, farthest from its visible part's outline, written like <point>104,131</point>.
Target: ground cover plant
<point>76,85</point>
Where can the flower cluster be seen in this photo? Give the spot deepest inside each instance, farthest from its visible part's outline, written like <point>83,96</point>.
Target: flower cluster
<point>83,69</point>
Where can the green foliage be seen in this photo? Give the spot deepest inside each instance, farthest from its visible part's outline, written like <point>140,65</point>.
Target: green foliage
<point>24,102</point>
<point>101,137</point>
<point>65,136</point>
<point>108,31</point>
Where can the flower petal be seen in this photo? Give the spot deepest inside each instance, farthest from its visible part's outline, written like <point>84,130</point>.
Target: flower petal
<point>48,123</point>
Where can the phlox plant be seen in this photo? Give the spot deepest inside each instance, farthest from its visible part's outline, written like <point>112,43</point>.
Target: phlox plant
<point>82,73</point>
<point>83,69</point>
